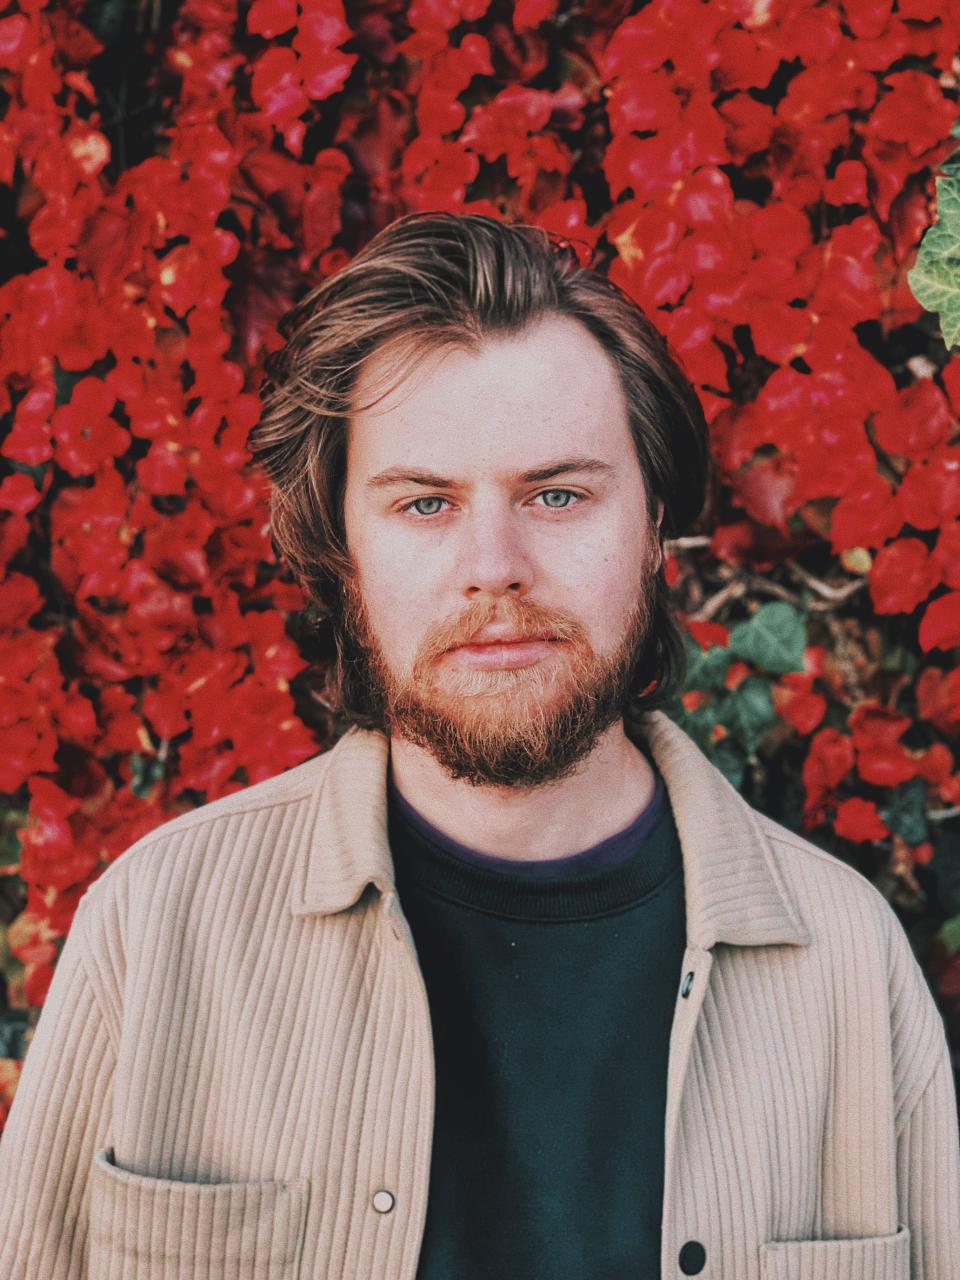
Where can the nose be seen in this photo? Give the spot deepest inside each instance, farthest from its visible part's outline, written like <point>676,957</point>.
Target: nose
<point>494,558</point>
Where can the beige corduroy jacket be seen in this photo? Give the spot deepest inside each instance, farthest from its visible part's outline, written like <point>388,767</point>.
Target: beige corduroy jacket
<point>232,1077</point>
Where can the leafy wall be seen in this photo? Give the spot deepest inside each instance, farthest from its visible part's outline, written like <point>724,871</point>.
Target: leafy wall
<point>757,174</point>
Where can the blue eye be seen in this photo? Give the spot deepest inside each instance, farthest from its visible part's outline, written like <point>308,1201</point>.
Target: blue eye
<point>433,498</point>
<point>566,494</point>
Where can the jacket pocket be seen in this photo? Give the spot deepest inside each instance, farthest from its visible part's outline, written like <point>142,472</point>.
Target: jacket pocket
<point>856,1258</point>
<point>144,1228</point>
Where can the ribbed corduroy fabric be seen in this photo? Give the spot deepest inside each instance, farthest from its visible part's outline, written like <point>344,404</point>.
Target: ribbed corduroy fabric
<point>234,1063</point>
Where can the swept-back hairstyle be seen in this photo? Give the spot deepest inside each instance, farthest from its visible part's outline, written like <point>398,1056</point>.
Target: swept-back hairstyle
<point>438,280</point>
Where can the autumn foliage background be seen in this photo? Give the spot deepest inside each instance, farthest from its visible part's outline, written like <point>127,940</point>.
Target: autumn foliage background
<point>757,174</point>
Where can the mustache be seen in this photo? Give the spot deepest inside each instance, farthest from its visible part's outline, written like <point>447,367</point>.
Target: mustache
<point>519,616</point>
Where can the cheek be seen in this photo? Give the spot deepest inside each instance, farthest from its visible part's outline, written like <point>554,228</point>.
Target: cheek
<point>396,609</point>
<point>380,566</point>
<point>606,561</point>
<point>605,575</point>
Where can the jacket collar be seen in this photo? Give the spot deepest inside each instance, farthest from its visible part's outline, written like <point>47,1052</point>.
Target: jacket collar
<point>735,891</point>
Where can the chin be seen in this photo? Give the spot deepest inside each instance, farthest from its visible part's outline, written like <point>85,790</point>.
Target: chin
<point>532,682</point>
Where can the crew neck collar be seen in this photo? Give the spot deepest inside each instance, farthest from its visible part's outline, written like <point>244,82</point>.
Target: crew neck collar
<point>609,876</point>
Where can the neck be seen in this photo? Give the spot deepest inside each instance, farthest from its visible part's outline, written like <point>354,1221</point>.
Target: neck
<point>610,787</point>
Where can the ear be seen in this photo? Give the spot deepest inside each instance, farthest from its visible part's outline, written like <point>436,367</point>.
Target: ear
<point>659,512</point>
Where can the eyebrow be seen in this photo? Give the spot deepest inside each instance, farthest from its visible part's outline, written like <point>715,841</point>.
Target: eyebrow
<point>406,475</point>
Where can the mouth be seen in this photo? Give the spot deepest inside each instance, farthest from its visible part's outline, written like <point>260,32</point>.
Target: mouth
<point>501,642</point>
<point>490,654</point>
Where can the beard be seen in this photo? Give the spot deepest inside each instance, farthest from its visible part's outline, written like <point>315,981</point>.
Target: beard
<point>516,728</point>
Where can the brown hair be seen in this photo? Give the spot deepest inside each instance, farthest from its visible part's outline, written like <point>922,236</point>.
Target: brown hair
<point>433,280</point>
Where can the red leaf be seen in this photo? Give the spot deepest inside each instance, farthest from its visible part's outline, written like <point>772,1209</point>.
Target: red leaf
<point>707,634</point>
<point>913,111</point>
<point>828,762</point>
<point>858,820</point>
<point>276,87</point>
<point>881,757</point>
<point>930,492</point>
<point>270,18</point>
<point>324,71</point>
<point>16,39</point>
<point>940,625</point>
<point>765,491</point>
<point>902,576</point>
<point>795,700</point>
<point>947,554</point>
<point>528,14</point>
<point>938,698</point>
<point>868,515</point>
<point>848,184</point>
<point>915,423</point>
<point>18,493</point>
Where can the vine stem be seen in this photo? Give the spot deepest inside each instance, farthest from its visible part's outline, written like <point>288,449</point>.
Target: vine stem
<point>832,595</point>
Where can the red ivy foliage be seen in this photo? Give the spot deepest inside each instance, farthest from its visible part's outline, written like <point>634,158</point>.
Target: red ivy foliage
<point>756,175</point>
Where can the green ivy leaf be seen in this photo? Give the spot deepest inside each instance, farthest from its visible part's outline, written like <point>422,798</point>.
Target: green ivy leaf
<point>945,865</point>
<point>906,812</point>
<point>935,277</point>
<point>699,724</point>
<point>730,760</point>
<point>950,933</point>
<point>13,1026</point>
<point>10,845</point>
<point>36,472</point>
<point>773,639</point>
<point>146,770</point>
<point>898,658</point>
<point>706,667</point>
<point>747,712</point>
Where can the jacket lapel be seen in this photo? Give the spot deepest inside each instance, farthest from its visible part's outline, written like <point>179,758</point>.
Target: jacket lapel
<point>734,890</point>
<point>348,847</point>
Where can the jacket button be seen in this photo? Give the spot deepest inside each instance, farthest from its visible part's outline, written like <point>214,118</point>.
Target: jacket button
<point>685,991</point>
<point>383,1202</point>
<point>693,1258</point>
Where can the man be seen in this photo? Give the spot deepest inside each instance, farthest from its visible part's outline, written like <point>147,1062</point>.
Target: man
<point>510,982</point>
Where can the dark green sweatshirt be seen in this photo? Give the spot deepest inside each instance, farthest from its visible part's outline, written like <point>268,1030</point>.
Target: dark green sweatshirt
<point>552,988</point>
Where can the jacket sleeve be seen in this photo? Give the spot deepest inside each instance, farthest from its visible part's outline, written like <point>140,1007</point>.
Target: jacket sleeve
<point>927,1125</point>
<point>57,1119</point>
<point>928,1176</point>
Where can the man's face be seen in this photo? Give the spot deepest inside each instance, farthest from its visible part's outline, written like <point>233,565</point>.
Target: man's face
<point>458,544</point>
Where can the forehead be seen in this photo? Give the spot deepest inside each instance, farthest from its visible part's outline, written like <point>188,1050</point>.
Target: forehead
<point>513,401</point>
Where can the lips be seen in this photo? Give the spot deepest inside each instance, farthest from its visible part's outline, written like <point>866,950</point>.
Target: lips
<point>502,654</point>
<point>493,639</point>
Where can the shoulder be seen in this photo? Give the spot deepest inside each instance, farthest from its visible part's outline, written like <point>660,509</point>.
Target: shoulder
<point>235,826</point>
<point>824,886</point>
<point>857,933</point>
